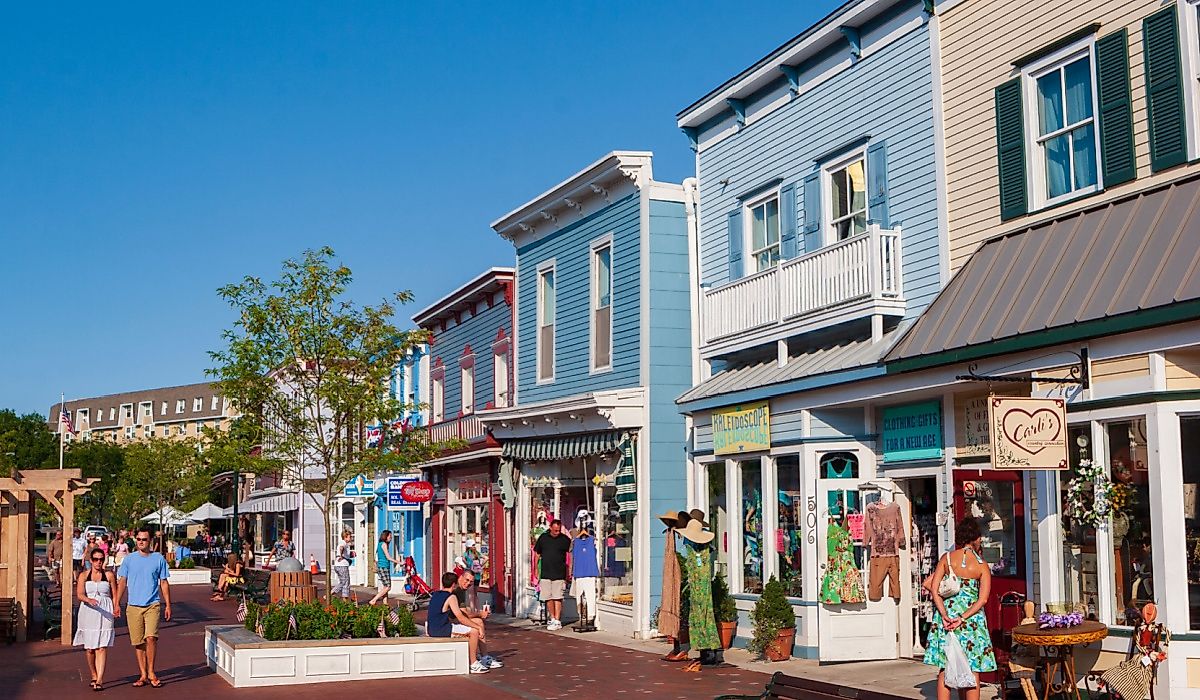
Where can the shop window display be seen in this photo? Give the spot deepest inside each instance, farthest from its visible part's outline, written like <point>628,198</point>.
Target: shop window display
<point>788,537</point>
<point>1189,444</point>
<point>541,512</point>
<point>616,545</point>
<point>993,505</point>
<point>1079,531</point>
<point>1129,510</point>
<point>719,517</point>
<point>752,527</point>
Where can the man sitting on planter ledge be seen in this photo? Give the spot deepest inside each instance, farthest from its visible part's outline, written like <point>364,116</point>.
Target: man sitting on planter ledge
<point>447,619</point>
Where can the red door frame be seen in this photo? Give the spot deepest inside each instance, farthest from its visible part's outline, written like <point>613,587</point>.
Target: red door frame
<point>1000,584</point>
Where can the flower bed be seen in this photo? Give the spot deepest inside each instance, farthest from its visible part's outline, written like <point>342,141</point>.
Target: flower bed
<point>336,620</point>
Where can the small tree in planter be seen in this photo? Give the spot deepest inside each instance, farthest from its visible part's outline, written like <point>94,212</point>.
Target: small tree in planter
<point>726,611</point>
<point>774,624</point>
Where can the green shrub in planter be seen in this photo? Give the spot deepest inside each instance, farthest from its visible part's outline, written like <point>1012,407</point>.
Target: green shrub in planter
<point>723,602</point>
<point>771,613</point>
<point>186,563</point>
<point>337,620</point>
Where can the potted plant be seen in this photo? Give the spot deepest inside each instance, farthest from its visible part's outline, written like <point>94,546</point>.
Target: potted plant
<point>726,611</point>
<point>774,624</point>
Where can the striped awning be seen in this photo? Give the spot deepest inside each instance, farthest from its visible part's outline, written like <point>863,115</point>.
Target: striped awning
<point>565,447</point>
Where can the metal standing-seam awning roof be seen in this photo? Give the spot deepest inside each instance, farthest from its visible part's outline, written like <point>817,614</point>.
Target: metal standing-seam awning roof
<point>565,447</point>
<point>1068,274</point>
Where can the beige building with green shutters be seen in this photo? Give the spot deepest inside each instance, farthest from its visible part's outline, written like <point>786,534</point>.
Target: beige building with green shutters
<point>1070,133</point>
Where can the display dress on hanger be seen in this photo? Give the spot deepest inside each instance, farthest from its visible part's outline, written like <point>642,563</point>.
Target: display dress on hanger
<point>842,582</point>
<point>702,622</point>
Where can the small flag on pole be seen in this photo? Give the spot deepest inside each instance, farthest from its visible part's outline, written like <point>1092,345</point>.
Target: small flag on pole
<point>381,629</point>
<point>393,617</point>
<point>65,419</point>
<point>241,612</point>
<point>258,628</point>
<point>292,623</point>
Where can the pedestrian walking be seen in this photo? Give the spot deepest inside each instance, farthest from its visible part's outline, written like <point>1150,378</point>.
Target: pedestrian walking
<point>94,588</point>
<point>143,575</point>
<point>341,565</point>
<point>283,549</point>
<point>551,552</point>
<point>384,561</point>
<point>120,551</point>
<point>54,555</point>
<point>78,547</point>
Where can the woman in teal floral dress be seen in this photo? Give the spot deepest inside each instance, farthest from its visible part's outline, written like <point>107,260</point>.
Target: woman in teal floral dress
<point>962,614</point>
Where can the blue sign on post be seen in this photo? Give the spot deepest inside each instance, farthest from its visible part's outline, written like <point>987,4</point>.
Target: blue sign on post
<point>395,499</point>
<point>912,431</point>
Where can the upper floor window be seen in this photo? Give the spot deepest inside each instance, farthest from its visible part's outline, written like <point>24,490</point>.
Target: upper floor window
<point>601,306</point>
<point>198,404</point>
<point>180,405</point>
<point>438,402</point>
<point>500,374</point>
<point>163,409</point>
<point>467,375</point>
<point>1061,128</point>
<point>112,413</point>
<point>216,401</point>
<point>147,410</point>
<point>847,198</point>
<point>546,316</point>
<point>126,411</point>
<point>763,216</point>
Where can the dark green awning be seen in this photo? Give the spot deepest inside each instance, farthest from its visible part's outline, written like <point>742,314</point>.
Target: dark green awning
<point>565,447</point>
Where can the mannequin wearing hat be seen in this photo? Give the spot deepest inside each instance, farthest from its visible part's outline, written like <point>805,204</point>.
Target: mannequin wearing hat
<point>670,622</point>
<point>698,569</point>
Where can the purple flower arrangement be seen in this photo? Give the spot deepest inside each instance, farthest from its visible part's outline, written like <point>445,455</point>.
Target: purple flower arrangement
<point>1054,620</point>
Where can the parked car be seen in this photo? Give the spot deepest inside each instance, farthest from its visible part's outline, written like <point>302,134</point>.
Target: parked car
<point>96,530</point>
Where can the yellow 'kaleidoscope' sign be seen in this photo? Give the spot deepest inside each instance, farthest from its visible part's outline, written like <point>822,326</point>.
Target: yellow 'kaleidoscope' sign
<point>745,428</point>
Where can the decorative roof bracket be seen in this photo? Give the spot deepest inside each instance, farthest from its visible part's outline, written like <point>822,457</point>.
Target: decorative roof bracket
<point>739,109</point>
<point>793,76</point>
<point>853,38</point>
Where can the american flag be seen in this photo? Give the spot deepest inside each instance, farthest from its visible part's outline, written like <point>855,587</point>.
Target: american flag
<point>393,617</point>
<point>258,627</point>
<point>65,418</point>
<point>381,629</point>
<point>241,613</point>
<point>292,623</point>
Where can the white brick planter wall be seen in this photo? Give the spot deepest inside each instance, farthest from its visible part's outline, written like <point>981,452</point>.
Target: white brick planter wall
<point>196,575</point>
<point>246,660</point>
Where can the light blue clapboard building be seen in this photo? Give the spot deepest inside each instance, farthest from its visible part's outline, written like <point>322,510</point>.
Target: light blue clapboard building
<point>821,236</point>
<point>604,341</point>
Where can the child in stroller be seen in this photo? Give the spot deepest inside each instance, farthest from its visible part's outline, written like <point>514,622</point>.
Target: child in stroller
<point>415,586</point>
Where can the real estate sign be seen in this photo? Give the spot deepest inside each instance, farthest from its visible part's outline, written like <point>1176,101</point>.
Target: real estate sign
<point>744,428</point>
<point>1028,433</point>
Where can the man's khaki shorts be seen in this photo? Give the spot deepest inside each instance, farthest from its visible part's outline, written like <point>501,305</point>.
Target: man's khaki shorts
<point>551,589</point>
<point>142,622</point>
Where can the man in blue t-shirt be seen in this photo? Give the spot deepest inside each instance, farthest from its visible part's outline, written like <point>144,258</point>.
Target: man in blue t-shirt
<point>144,575</point>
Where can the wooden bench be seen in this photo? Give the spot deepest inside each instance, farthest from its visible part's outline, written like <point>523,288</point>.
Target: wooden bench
<point>8,619</point>
<point>255,586</point>
<point>793,688</point>
<point>51,604</point>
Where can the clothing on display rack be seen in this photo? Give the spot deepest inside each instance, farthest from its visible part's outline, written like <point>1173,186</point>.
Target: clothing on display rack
<point>883,531</point>
<point>842,582</point>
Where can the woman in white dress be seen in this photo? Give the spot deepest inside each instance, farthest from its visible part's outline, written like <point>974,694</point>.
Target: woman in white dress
<point>94,588</point>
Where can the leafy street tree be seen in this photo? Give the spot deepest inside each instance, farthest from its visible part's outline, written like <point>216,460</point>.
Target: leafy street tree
<point>106,460</point>
<point>312,368</point>
<point>161,472</point>
<point>26,441</point>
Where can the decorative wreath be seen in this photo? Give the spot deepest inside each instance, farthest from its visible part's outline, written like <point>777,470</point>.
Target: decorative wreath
<point>1092,496</point>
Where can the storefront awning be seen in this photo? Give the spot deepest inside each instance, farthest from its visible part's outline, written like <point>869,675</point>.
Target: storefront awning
<point>273,502</point>
<point>1116,267</point>
<point>565,447</point>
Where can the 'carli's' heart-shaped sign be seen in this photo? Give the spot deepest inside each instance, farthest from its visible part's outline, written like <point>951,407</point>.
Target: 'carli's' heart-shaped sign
<point>1032,432</point>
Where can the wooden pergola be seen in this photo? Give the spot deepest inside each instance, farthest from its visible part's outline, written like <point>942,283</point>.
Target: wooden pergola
<point>58,487</point>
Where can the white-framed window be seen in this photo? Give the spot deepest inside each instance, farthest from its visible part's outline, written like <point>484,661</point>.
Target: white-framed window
<point>148,431</point>
<point>112,413</point>
<point>1189,40</point>
<point>129,432</point>
<point>126,411</point>
<point>500,374</point>
<point>762,231</point>
<point>163,409</point>
<point>438,391</point>
<point>81,416</point>
<point>147,409</point>
<point>601,304</point>
<point>216,401</point>
<point>180,405</point>
<point>197,404</point>
<point>1061,135</point>
<point>467,379</point>
<point>846,197</point>
<point>545,321</point>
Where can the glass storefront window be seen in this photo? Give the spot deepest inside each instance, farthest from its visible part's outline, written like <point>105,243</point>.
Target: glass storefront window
<point>616,545</point>
<point>752,527</point>
<point>718,517</point>
<point>993,505</point>
<point>468,540</point>
<point>1133,580</point>
<point>787,536</point>
<point>1080,578</point>
<point>1189,446</point>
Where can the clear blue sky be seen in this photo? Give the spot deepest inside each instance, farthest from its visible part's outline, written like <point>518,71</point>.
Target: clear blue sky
<point>150,154</point>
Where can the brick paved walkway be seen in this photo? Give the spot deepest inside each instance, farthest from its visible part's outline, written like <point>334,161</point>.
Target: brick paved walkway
<point>539,664</point>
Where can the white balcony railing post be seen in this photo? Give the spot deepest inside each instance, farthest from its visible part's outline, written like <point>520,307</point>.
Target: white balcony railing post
<point>875,266</point>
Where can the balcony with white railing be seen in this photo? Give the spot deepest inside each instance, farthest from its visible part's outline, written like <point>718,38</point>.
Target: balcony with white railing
<point>851,279</point>
<point>465,428</point>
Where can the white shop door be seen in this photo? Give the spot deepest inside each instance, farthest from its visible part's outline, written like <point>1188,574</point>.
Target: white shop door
<point>851,631</point>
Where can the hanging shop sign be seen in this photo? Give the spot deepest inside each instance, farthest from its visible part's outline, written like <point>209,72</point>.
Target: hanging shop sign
<point>745,428</point>
<point>417,492</point>
<point>359,486</point>
<point>1028,433</point>
<point>912,431</point>
<point>395,493</point>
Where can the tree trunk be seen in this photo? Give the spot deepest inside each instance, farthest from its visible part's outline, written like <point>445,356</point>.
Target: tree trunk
<point>326,510</point>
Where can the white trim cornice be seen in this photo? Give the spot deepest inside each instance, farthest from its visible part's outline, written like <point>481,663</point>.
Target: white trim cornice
<point>601,410</point>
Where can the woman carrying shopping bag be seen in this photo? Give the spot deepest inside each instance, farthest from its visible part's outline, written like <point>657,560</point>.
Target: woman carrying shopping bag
<point>960,585</point>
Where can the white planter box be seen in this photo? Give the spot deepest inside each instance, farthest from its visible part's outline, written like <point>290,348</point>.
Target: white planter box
<point>246,660</point>
<point>196,575</point>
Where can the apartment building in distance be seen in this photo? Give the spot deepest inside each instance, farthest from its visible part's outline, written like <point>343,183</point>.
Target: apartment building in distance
<point>172,412</point>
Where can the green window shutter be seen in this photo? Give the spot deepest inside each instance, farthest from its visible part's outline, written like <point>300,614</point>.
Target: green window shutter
<point>1164,89</point>
<point>1116,109</point>
<point>1010,142</point>
<point>787,219</point>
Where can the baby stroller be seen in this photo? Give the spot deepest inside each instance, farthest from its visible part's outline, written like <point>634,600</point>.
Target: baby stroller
<point>415,586</point>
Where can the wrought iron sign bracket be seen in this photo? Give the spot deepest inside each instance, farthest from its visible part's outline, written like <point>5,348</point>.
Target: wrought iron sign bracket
<point>1077,374</point>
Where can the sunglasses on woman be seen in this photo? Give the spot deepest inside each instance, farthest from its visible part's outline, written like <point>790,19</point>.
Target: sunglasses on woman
<point>97,558</point>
